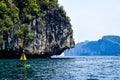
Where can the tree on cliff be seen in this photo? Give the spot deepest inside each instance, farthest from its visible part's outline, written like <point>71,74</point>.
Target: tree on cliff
<point>24,34</point>
<point>7,20</point>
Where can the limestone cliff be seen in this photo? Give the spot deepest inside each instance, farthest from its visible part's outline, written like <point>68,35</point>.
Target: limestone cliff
<point>40,27</point>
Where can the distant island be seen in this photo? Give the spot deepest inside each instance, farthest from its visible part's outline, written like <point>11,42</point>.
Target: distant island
<point>107,46</point>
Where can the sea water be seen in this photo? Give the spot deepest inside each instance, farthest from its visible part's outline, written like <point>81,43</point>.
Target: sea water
<point>62,68</point>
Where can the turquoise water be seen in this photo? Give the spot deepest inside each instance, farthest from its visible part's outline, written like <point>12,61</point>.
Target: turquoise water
<point>77,68</point>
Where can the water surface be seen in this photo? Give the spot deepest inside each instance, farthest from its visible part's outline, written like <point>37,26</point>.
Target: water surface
<point>72,68</point>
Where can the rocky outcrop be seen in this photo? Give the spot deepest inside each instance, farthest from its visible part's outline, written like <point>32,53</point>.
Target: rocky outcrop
<point>107,46</point>
<point>49,27</point>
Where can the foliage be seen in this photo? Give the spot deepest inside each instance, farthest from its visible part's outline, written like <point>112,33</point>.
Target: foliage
<point>24,33</point>
<point>7,8</point>
<point>29,9</point>
<point>29,37</point>
<point>8,15</point>
<point>42,15</point>
<point>14,12</point>
<point>62,10</point>
<point>54,3</point>
<point>64,13</point>
<point>3,9</point>
<point>68,18</point>
<point>6,24</point>
<point>48,3</point>
<point>1,24</point>
<point>1,39</point>
<point>30,6</point>
<point>28,16</point>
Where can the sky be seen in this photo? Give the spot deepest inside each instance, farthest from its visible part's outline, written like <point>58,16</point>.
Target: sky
<point>92,19</point>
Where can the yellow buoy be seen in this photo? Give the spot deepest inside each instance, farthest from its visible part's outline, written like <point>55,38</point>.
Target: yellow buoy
<point>23,57</point>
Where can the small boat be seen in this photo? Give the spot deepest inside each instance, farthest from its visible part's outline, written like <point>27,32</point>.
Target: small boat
<point>23,60</point>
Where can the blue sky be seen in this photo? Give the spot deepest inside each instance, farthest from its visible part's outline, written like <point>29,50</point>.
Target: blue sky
<point>92,19</point>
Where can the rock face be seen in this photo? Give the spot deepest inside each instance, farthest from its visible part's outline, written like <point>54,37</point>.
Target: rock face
<point>49,28</point>
<point>107,46</point>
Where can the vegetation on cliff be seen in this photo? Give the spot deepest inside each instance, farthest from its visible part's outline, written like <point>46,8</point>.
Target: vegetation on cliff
<point>34,24</point>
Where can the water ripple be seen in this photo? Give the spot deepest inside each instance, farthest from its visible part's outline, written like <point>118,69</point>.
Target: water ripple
<point>80,68</point>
